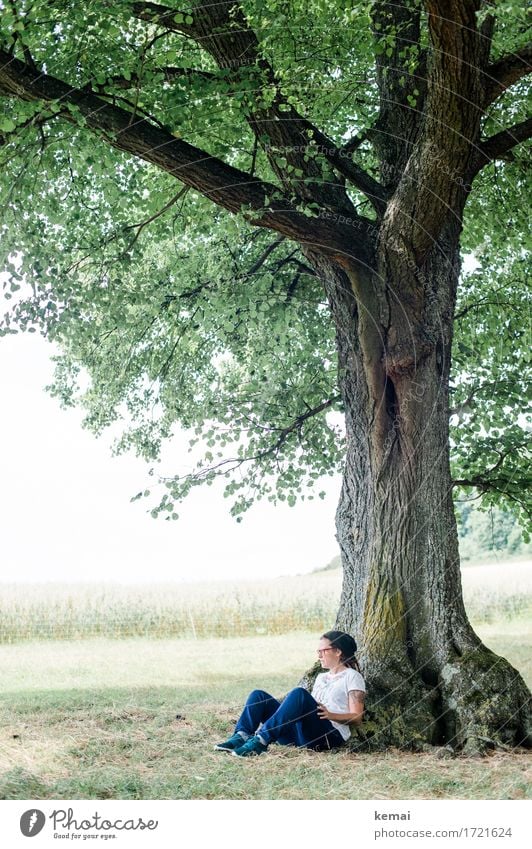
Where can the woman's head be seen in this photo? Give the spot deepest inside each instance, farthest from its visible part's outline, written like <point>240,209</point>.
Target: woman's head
<point>338,647</point>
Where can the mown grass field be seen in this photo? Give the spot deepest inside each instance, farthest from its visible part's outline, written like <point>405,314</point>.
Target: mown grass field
<point>95,718</point>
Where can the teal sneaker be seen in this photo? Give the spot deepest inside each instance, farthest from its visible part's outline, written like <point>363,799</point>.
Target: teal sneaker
<point>253,746</point>
<point>234,742</point>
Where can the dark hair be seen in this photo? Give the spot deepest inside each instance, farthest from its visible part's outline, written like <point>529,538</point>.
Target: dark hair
<point>346,644</point>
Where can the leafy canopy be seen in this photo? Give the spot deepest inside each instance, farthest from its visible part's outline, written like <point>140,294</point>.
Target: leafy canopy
<point>172,312</point>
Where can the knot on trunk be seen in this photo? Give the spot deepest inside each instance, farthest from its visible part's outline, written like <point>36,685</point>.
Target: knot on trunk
<point>404,354</point>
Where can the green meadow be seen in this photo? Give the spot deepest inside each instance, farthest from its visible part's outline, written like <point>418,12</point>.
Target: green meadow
<point>93,714</point>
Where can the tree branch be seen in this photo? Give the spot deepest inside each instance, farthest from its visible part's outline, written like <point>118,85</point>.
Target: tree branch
<point>354,143</point>
<point>400,71</point>
<point>32,121</point>
<point>140,227</point>
<point>506,71</point>
<point>464,405</point>
<point>302,267</point>
<point>297,424</point>
<point>170,73</point>
<point>500,145</point>
<point>485,480</point>
<point>431,189</point>
<point>483,303</point>
<point>495,486</point>
<point>284,433</point>
<point>260,202</point>
<point>223,31</point>
<point>356,175</point>
<point>154,13</point>
<point>16,36</point>
<point>264,256</point>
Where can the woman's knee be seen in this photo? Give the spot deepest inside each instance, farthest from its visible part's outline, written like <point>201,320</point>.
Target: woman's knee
<point>259,696</point>
<point>299,693</point>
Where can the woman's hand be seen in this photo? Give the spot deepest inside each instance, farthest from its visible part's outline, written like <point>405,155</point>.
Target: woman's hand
<point>356,704</point>
<point>322,712</point>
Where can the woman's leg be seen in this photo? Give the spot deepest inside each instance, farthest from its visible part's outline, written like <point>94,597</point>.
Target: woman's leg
<point>259,707</point>
<point>296,722</point>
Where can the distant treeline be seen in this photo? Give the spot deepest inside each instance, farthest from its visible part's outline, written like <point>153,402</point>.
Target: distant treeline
<point>491,533</point>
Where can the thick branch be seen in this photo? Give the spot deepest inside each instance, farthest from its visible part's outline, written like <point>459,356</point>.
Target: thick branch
<point>262,203</point>
<point>223,31</point>
<point>302,267</point>
<point>354,143</point>
<point>264,256</point>
<point>506,71</point>
<point>431,189</point>
<point>356,175</point>
<point>500,145</point>
<point>16,37</point>
<point>400,71</point>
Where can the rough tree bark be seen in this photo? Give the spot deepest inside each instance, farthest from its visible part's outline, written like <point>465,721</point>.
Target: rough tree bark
<point>431,680</point>
<point>391,283</point>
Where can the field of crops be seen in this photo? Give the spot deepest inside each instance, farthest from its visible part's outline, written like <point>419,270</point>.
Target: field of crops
<point>307,602</point>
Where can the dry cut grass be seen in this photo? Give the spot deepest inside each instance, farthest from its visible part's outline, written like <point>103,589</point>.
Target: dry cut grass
<point>96,719</point>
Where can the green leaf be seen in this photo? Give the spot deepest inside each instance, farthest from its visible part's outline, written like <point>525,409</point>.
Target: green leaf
<point>6,124</point>
<point>165,313</point>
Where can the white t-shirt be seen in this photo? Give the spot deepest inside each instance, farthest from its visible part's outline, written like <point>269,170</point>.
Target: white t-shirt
<point>333,692</point>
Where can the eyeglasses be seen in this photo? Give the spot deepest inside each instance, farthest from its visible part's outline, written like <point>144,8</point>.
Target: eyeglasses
<point>322,651</point>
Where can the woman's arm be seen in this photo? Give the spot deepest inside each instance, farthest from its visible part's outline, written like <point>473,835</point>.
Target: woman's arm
<point>356,709</point>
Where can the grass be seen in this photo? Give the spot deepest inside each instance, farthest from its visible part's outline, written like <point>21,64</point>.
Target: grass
<point>309,602</point>
<point>95,719</point>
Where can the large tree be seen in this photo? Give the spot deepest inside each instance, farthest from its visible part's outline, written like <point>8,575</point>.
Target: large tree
<point>242,217</point>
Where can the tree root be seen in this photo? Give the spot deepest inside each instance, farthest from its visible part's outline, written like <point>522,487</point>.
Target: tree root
<point>489,703</point>
<point>480,704</point>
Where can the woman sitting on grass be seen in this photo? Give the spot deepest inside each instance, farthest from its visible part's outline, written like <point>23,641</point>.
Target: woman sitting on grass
<point>314,721</point>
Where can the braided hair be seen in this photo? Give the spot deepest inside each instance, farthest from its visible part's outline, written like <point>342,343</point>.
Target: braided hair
<point>346,644</point>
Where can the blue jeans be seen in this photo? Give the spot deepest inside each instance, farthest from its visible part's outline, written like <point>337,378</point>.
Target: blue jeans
<point>295,722</point>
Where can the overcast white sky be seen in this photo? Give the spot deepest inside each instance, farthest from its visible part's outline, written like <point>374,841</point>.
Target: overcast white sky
<point>66,515</point>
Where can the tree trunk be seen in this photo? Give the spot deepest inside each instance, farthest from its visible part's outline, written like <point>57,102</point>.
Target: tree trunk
<point>430,679</point>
